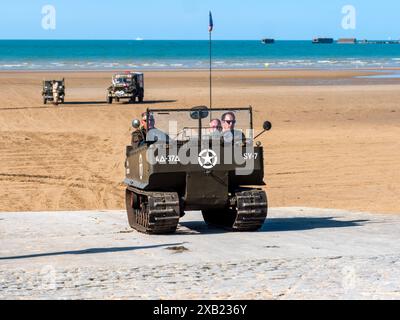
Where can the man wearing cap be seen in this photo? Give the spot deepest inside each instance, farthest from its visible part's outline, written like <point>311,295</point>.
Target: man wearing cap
<point>147,132</point>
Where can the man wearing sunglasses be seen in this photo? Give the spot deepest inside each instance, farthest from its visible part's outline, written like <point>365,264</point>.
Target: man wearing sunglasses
<point>228,126</point>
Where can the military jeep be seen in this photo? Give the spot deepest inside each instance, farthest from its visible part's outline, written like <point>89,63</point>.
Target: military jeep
<point>127,86</point>
<point>54,97</point>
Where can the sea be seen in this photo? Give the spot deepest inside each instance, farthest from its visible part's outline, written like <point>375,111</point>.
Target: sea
<point>83,55</point>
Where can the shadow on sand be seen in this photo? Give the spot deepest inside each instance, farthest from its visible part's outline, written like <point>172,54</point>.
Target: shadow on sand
<point>147,102</point>
<point>89,251</point>
<point>88,104</point>
<point>277,225</point>
<point>77,103</point>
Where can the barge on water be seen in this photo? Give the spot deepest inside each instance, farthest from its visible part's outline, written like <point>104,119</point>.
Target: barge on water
<point>322,41</point>
<point>347,41</point>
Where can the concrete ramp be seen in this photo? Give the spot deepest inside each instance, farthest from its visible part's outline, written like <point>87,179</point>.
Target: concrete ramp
<point>300,253</point>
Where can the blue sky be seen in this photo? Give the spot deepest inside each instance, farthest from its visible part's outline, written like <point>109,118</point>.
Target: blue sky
<point>188,19</point>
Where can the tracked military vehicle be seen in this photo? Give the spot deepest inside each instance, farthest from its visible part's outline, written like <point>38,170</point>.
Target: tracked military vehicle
<point>187,163</point>
<point>128,86</point>
<point>53,91</point>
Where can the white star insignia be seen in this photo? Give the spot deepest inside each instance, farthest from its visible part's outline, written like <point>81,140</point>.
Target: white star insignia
<point>208,159</point>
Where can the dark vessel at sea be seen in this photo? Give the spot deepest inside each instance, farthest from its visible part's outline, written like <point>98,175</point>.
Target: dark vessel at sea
<point>268,41</point>
<point>322,41</point>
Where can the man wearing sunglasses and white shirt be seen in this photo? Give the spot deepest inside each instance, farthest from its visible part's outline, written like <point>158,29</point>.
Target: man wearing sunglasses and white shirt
<point>228,127</point>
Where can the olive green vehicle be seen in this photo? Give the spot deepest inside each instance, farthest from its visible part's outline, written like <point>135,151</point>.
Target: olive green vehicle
<point>184,164</point>
<point>127,86</point>
<point>54,96</point>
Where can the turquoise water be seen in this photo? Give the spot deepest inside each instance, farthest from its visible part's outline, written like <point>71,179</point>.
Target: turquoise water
<point>109,55</point>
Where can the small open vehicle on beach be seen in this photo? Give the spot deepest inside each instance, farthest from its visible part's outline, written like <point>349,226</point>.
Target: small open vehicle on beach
<point>53,91</point>
<point>129,86</point>
<point>196,159</point>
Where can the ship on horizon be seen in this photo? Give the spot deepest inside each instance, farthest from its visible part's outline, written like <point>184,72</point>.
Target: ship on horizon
<point>347,41</point>
<point>379,41</point>
<point>268,41</point>
<point>322,40</point>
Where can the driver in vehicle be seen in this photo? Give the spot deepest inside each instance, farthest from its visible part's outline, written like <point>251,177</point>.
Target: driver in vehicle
<point>148,132</point>
<point>119,81</point>
<point>55,91</point>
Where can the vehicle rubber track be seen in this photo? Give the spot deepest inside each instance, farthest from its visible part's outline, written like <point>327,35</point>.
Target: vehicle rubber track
<point>153,212</point>
<point>248,213</point>
<point>251,210</point>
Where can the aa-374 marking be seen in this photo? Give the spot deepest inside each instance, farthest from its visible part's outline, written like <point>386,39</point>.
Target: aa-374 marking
<point>168,159</point>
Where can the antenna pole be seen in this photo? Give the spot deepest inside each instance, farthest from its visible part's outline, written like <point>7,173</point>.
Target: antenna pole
<point>210,70</point>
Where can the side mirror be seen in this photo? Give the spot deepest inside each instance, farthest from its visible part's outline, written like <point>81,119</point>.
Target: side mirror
<point>136,124</point>
<point>267,126</point>
<point>199,113</point>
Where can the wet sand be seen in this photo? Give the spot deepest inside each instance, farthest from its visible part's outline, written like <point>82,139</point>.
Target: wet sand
<point>334,142</point>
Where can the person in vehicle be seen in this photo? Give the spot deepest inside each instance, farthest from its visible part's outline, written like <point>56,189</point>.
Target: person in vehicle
<point>55,91</point>
<point>229,132</point>
<point>148,132</point>
<point>215,125</point>
<point>215,130</point>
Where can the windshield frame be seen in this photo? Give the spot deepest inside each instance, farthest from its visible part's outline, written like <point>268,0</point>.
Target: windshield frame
<point>151,111</point>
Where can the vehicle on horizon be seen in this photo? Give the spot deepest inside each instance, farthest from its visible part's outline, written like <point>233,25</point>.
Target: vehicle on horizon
<point>52,94</point>
<point>185,164</point>
<point>128,86</point>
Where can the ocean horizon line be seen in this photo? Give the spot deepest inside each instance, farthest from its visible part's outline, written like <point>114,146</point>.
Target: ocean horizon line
<point>205,40</point>
<point>165,40</point>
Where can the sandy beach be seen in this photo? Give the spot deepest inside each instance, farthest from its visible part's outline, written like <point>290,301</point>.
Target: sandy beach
<point>334,142</point>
